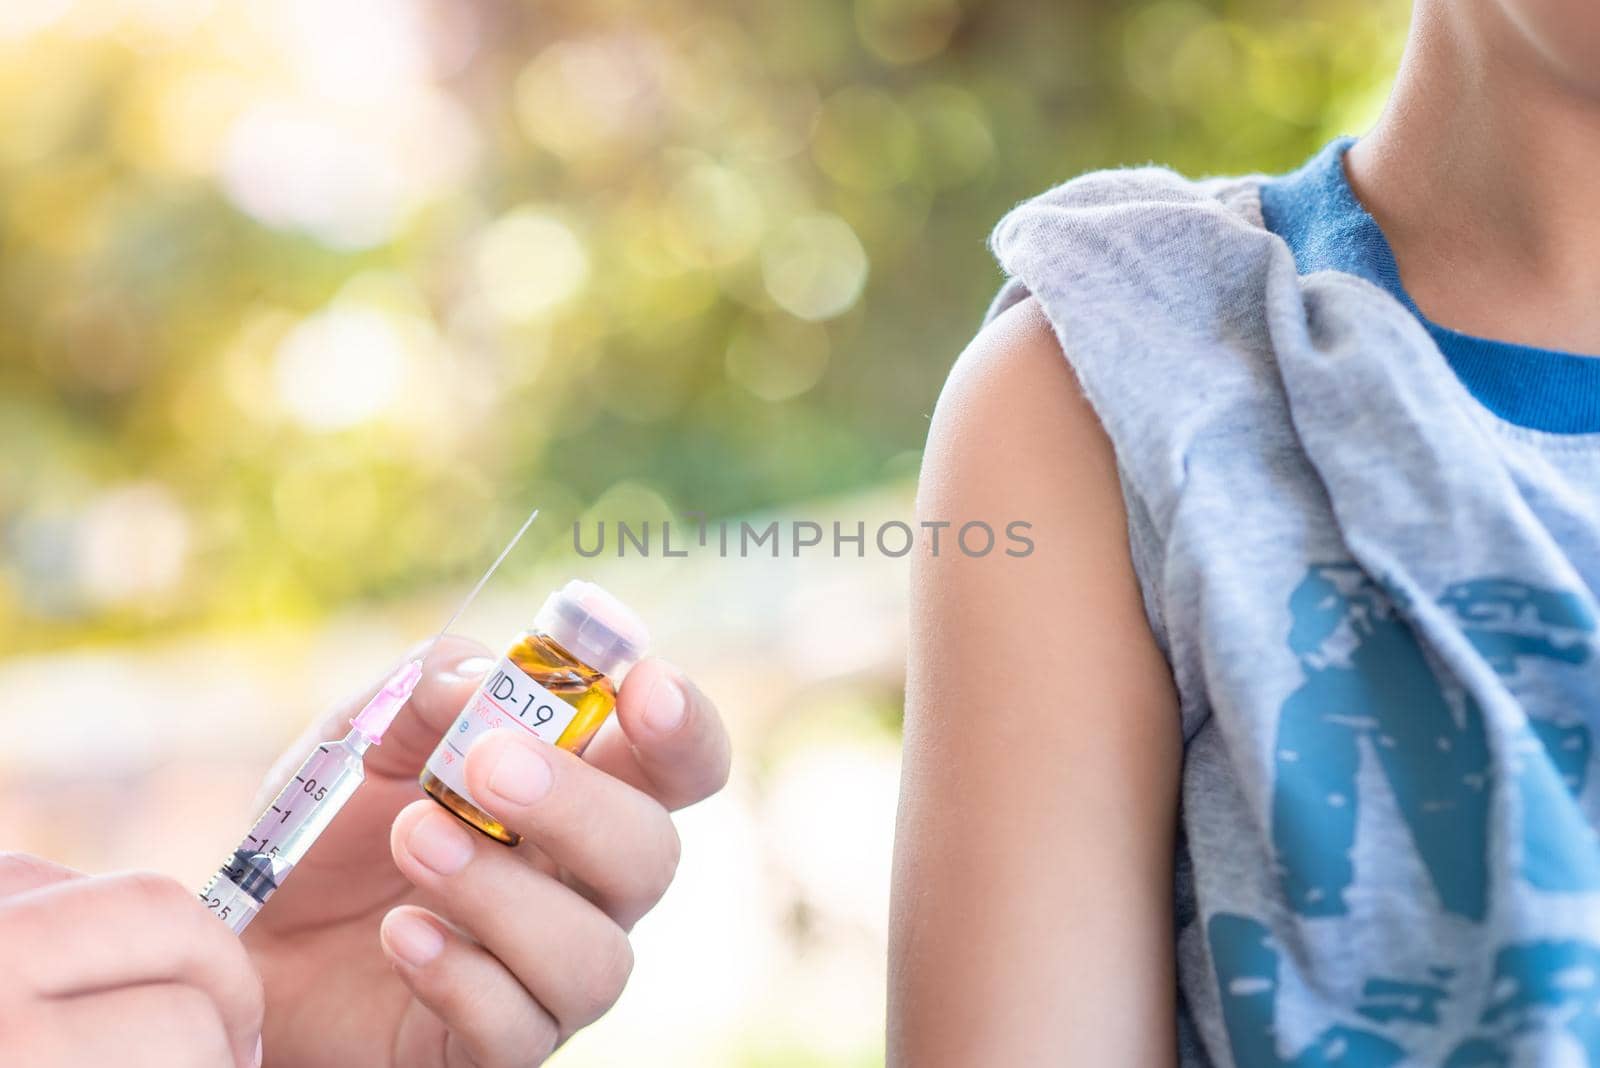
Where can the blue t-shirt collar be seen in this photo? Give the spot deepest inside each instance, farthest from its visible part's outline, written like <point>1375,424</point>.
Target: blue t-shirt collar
<point>1317,214</point>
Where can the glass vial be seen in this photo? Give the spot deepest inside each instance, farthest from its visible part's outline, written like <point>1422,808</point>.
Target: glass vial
<point>558,682</point>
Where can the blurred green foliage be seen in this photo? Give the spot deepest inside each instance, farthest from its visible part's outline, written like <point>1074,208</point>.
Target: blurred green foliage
<point>305,302</point>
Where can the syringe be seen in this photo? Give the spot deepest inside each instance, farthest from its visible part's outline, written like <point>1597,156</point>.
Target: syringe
<point>325,782</point>
<point>304,808</point>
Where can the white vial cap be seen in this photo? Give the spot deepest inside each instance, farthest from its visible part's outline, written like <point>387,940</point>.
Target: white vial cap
<point>594,626</point>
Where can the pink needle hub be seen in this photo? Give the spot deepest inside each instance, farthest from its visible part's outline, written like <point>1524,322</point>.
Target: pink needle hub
<point>379,713</point>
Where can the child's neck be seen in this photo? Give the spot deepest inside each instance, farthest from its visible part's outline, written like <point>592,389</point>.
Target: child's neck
<point>1483,173</point>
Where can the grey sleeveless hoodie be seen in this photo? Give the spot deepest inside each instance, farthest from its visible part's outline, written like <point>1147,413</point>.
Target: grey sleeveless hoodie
<point>1378,602</point>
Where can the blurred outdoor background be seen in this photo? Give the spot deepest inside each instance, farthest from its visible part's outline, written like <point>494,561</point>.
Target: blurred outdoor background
<point>303,304</point>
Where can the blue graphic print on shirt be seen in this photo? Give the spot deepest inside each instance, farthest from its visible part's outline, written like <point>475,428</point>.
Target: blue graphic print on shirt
<point>1366,677</point>
<point>1537,987</point>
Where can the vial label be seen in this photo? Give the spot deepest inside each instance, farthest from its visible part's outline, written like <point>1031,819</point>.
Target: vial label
<point>509,697</point>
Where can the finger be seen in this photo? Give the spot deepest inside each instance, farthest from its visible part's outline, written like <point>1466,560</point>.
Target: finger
<point>157,1025</point>
<point>570,956</point>
<point>616,841</point>
<point>482,1004</point>
<point>88,935</point>
<point>20,872</point>
<point>669,740</point>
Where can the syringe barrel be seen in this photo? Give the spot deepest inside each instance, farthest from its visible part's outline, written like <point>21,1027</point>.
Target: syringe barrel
<point>285,832</point>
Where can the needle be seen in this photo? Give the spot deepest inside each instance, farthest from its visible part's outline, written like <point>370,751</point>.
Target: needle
<point>371,722</point>
<point>487,575</point>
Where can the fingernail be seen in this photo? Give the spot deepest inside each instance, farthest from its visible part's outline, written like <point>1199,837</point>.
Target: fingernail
<point>664,708</point>
<point>440,842</point>
<point>471,668</point>
<point>259,1052</point>
<point>413,940</point>
<point>518,775</point>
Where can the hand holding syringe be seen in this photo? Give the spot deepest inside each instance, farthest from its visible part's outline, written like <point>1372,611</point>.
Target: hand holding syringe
<point>327,780</point>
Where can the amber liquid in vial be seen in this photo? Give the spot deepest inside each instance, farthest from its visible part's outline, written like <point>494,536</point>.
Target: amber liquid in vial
<point>564,675</point>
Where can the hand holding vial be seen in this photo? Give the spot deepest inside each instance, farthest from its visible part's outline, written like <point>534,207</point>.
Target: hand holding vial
<point>406,930</point>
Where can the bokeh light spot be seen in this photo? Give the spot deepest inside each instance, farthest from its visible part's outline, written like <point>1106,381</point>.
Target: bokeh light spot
<point>22,20</point>
<point>1152,36</point>
<point>290,168</point>
<point>714,217</point>
<point>527,263</point>
<point>906,31</point>
<point>778,358</point>
<point>1206,68</point>
<point>341,367</point>
<point>133,545</point>
<point>957,144</point>
<point>863,139</point>
<point>814,267</point>
<point>588,97</point>
<point>392,56</point>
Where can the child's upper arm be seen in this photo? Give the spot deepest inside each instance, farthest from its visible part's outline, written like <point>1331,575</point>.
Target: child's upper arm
<point>1033,872</point>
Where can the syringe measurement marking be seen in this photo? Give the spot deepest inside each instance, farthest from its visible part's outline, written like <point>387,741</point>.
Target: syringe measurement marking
<point>307,785</point>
